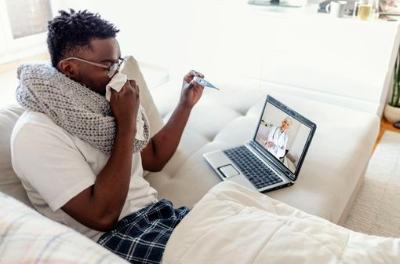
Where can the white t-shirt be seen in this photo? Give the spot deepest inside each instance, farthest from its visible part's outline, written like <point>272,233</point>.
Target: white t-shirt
<point>54,166</point>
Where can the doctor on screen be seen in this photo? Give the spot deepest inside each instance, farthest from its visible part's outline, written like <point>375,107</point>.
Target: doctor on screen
<point>277,138</point>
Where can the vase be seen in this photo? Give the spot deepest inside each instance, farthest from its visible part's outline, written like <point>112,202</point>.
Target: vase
<point>392,114</point>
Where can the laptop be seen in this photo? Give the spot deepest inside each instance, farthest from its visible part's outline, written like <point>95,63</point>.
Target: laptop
<point>273,158</point>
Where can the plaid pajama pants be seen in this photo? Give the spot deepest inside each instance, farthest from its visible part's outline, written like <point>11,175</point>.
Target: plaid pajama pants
<point>141,237</point>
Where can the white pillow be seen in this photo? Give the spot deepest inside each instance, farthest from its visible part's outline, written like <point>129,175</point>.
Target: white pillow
<point>28,237</point>
<point>9,182</point>
<point>154,117</point>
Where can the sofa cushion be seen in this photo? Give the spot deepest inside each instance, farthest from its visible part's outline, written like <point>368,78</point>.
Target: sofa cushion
<point>28,237</point>
<point>335,162</point>
<point>145,98</point>
<point>9,182</point>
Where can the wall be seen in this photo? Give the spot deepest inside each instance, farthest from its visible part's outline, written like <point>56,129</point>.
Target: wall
<point>339,61</point>
<point>176,34</point>
<point>299,142</point>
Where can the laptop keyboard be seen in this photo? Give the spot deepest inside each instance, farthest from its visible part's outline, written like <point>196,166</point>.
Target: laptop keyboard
<point>255,170</point>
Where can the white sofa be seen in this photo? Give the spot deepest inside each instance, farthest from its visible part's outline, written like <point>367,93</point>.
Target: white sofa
<point>320,66</point>
<point>329,178</point>
<point>333,167</point>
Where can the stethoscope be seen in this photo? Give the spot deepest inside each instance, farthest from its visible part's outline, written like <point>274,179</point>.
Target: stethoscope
<point>279,137</point>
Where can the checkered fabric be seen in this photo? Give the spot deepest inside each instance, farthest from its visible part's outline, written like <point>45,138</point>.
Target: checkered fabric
<point>141,237</point>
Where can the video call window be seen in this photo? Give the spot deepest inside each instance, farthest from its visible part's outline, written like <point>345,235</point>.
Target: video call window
<point>283,136</point>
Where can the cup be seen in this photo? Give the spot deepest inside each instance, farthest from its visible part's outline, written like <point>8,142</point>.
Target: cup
<point>366,9</point>
<point>337,8</point>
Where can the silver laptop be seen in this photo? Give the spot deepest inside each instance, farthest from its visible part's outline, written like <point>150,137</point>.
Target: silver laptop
<point>273,158</point>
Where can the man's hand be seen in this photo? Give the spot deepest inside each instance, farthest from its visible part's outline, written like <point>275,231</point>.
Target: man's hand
<point>124,105</point>
<point>99,206</point>
<point>191,93</point>
<point>163,145</point>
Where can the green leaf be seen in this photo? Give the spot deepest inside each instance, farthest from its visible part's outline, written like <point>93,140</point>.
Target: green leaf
<point>395,97</point>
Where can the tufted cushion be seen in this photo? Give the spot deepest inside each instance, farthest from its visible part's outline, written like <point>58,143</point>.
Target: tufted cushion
<point>335,162</point>
<point>10,184</point>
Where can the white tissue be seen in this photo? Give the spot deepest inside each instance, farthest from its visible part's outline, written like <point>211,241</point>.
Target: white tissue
<point>116,83</point>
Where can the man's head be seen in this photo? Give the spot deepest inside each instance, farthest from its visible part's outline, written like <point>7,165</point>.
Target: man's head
<point>286,123</point>
<point>83,46</point>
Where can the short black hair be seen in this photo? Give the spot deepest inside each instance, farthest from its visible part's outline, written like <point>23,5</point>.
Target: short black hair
<point>71,30</point>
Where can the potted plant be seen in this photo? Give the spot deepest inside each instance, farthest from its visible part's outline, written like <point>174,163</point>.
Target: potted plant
<point>392,109</point>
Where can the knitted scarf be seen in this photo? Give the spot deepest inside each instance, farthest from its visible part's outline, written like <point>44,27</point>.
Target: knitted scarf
<point>72,106</point>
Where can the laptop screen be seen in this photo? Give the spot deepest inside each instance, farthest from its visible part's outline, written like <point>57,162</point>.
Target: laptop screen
<point>284,134</point>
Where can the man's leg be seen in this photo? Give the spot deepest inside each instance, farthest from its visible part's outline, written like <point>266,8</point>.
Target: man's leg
<point>141,237</point>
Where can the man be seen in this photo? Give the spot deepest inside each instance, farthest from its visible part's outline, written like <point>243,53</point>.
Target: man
<point>75,181</point>
<point>277,139</point>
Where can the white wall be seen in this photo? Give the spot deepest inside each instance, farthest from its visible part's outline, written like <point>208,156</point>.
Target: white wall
<point>340,61</point>
<point>176,34</point>
<point>296,149</point>
<point>14,49</point>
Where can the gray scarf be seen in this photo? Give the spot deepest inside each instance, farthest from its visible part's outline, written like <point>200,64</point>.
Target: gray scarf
<point>72,106</point>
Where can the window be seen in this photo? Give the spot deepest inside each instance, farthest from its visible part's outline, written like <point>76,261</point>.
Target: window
<point>23,26</point>
<point>28,17</point>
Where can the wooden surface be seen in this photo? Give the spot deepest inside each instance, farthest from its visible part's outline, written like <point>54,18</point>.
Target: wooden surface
<point>385,126</point>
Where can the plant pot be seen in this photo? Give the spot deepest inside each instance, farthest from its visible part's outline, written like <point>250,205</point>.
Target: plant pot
<point>392,114</point>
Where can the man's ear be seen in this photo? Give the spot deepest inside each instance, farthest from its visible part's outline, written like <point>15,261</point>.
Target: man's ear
<point>68,68</point>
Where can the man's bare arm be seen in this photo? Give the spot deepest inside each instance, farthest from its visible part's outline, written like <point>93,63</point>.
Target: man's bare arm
<point>99,206</point>
<point>164,144</point>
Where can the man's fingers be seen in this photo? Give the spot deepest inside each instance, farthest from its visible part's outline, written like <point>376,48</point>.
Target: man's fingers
<point>134,85</point>
<point>196,73</point>
<point>199,74</point>
<point>197,85</point>
<point>189,77</point>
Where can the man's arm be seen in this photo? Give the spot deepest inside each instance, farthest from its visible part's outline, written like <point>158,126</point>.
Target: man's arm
<point>164,144</point>
<point>99,206</point>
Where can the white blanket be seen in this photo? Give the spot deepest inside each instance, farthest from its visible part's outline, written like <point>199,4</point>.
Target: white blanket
<point>232,224</point>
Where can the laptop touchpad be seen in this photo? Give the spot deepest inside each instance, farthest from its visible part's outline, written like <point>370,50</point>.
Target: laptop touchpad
<point>228,171</point>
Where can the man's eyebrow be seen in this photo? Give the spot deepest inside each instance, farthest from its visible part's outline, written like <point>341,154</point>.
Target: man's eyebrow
<point>110,60</point>
<point>113,60</point>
